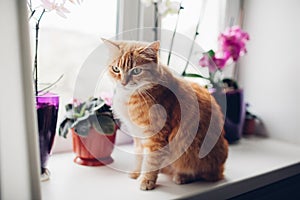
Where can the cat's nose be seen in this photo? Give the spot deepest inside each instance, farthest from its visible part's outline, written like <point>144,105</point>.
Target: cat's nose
<point>125,81</point>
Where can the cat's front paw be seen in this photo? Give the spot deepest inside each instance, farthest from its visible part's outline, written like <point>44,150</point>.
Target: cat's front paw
<point>147,184</point>
<point>134,175</point>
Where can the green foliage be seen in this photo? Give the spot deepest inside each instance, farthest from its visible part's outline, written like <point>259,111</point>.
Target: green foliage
<point>93,113</point>
<point>194,75</point>
<point>211,53</point>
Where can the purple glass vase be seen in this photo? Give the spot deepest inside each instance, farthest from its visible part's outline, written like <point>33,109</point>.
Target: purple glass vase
<point>47,110</point>
<point>234,108</point>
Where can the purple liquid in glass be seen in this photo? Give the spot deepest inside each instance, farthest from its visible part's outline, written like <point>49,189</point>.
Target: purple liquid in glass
<point>47,110</point>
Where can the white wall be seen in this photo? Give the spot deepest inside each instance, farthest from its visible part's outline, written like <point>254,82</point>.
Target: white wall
<point>271,70</point>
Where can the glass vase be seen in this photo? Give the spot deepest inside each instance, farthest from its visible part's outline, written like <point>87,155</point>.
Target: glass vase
<point>47,109</point>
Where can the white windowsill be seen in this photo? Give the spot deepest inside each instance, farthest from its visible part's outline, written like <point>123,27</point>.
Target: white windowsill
<point>251,164</point>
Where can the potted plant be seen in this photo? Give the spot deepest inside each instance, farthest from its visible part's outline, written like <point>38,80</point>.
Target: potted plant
<point>93,131</point>
<point>232,45</point>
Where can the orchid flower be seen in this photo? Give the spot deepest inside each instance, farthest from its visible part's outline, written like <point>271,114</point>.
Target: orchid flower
<point>213,61</point>
<point>233,41</point>
<point>45,6</point>
<point>232,44</point>
<point>61,10</point>
<point>165,7</point>
<point>206,61</point>
<point>168,7</point>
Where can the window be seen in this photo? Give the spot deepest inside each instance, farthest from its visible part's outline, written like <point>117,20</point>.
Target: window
<point>77,36</point>
<point>210,21</point>
<point>209,15</point>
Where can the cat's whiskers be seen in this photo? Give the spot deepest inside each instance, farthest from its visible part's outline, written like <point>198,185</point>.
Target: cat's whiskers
<point>141,94</point>
<point>150,96</point>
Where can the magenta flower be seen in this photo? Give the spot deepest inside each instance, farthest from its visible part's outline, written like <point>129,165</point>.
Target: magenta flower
<point>214,61</point>
<point>206,61</point>
<point>232,46</point>
<point>233,42</point>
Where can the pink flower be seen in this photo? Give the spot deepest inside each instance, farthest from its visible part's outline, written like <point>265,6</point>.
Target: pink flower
<point>206,61</point>
<point>61,10</point>
<point>214,61</point>
<point>107,97</point>
<point>233,41</point>
<point>232,46</point>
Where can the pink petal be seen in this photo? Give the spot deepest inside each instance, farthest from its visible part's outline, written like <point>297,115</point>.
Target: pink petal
<point>206,61</point>
<point>47,4</point>
<point>60,13</point>
<point>107,97</point>
<point>63,9</point>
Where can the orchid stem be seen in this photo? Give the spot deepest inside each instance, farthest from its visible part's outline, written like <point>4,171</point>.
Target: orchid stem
<point>37,26</point>
<point>52,84</point>
<point>173,36</point>
<point>31,15</point>
<point>155,21</point>
<point>203,6</point>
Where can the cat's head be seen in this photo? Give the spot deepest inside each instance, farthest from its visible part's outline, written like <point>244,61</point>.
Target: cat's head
<point>133,64</point>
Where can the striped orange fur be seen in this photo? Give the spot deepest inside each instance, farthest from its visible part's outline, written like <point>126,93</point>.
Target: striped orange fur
<point>150,101</point>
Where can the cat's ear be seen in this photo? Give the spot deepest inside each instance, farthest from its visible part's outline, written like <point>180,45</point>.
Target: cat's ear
<point>154,46</point>
<point>151,51</point>
<point>113,47</point>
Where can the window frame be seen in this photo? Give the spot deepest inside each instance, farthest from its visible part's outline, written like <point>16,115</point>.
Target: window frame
<point>19,168</point>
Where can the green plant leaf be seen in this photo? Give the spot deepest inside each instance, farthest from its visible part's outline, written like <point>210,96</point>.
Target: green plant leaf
<point>82,126</point>
<point>64,127</point>
<point>99,105</point>
<point>194,76</point>
<point>103,124</point>
<point>211,53</point>
<point>81,112</point>
<point>93,112</point>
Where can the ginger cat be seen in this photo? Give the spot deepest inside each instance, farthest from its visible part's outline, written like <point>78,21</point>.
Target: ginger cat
<point>169,117</point>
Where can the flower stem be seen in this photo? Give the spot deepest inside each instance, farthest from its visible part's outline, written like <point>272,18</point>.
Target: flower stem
<point>30,5</point>
<point>203,6</point>
<point>155,21</point>
<point>31,15</point>
<point>195,76</point>
<point>51,85</point>
<point>37,27</point>
<point>174,33</point>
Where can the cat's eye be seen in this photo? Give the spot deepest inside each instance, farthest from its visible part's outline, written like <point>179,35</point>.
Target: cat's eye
<point>136,71</point>
<point>115,69</point>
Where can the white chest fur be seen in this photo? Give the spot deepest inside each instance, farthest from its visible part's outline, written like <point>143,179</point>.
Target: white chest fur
<point>120,103</point>
<point>121,111</point>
